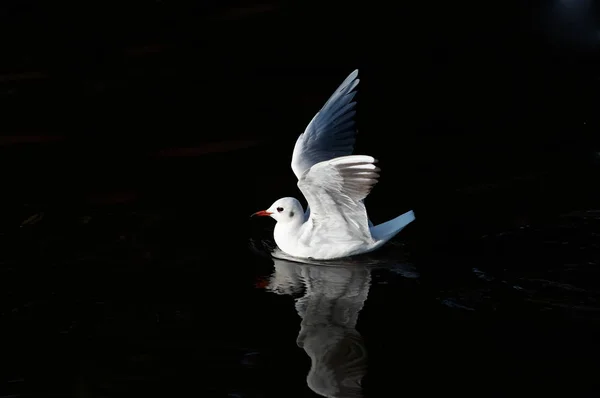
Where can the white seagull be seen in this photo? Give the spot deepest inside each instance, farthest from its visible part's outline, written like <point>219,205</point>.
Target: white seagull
<point>334,183</point>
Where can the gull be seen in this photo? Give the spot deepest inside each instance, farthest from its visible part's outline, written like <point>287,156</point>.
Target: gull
<point>335,184</point>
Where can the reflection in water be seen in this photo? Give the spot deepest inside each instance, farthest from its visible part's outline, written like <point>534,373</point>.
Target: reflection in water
<point>334,295</point>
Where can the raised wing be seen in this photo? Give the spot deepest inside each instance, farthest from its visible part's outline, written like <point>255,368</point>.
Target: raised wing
<point>332,131</point>
<point>335,190</point>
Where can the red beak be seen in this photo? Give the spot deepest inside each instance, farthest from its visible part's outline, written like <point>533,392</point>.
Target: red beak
<point>263,213</point>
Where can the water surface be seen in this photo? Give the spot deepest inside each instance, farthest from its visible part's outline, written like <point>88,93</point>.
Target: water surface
<point>168,288</point>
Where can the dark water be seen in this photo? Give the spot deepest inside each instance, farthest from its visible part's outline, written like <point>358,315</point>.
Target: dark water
<point>167,288</point>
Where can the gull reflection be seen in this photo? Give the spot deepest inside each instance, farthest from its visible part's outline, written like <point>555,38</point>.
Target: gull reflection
<point>333,297</point>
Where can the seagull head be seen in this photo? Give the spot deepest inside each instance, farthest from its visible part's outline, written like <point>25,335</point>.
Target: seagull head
<point>283,210</point>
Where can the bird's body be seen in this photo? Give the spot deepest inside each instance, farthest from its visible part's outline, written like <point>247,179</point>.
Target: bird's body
<point>335,184</point>
<point>298,238</point>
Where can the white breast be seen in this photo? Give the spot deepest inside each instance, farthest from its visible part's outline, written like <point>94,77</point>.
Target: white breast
<point>291,239</point>
<point>287,238</point>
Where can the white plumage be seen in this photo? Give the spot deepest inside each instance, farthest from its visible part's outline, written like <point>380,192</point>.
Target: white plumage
<point>335,184</point>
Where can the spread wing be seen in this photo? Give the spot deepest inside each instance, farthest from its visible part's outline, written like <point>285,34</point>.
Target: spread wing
<point>332,131</point>
<point>335,190</point>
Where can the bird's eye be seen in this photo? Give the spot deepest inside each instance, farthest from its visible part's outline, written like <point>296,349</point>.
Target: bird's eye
<point>280,209</point>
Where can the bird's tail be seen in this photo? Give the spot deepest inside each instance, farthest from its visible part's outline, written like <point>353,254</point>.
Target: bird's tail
<point>386,231</point>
